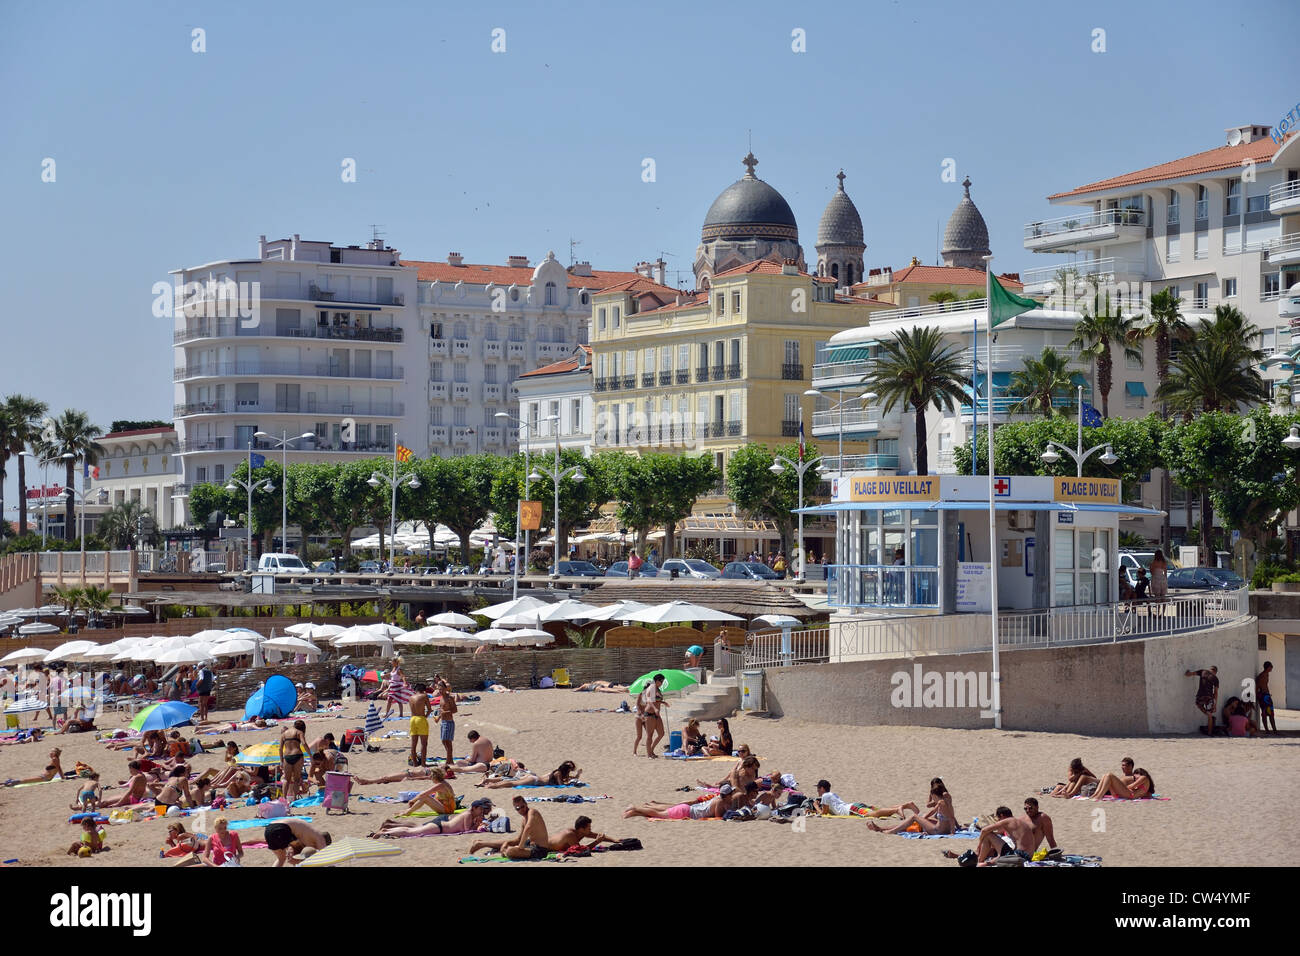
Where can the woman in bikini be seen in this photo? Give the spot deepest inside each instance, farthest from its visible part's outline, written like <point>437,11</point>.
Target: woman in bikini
<point>53,771</point>
<point>1076,778</point>
<point>439,798</point>
<point>176,791</point>
<point>938,817</point>
<point>443,823</point>
<point>745,770</point>
<point>293,742</point>
<point>693,742</point>
<point>722,746</point>
<point>1113,785</point>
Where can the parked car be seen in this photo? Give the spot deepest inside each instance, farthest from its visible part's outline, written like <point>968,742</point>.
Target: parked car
<point>619,570</point>
<point>696,568</point>
<point>580,569</point>
<point>327,567</point>
<point>370,567</point>
<point>282,563</point>
<point>1205,579</point>
<point>216,566</point>
<point>1130,561</point>
<point>749,570</point>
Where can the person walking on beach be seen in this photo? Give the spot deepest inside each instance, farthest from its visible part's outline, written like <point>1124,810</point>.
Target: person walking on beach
<point>1207,694</point>
<point>399,692</point>
<point>204,690</point>
<point>446,716</point>
<point>419,726</point>
<point>653,700</point>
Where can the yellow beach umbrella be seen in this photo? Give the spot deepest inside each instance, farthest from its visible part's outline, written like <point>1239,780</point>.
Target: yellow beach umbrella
<point>350,849</point>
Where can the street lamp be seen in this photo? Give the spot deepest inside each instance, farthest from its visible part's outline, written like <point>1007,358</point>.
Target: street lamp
<point>800,467</point>
<point>527,486</point>
<point>1292,441</point>
<point>864,397</point>
<point>377,480</point>
<point>557,474</point>
<point>250,486</point>
<point>283,444</point>
<point>1078,454</point>
<point>80,498</point>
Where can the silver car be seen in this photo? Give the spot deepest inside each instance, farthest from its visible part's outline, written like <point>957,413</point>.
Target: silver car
<point>696,568</point>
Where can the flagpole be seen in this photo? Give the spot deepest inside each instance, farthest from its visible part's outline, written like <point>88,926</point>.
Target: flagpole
<point>993,515</point>
<point>974,389</point>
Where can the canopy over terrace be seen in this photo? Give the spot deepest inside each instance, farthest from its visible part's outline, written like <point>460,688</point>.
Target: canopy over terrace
<point>922,541</point>
<point>741,597</point>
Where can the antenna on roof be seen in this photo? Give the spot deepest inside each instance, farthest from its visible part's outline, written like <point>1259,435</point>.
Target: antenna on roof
<point>938,261</point>
<point>573,244</point>
<point>375,234</point>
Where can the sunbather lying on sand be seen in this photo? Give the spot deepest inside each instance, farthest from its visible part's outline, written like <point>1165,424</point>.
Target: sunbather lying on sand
<point>703,810</point>
<point>938,817</point>
<point>566,773</point>
<point>416,773</point>
<point>53,771</point>
<point>1112,785</point>
<point>603,687</point>
<point>466,822</point>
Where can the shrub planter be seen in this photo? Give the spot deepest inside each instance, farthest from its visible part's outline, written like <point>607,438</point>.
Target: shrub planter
<point>1286,587</point>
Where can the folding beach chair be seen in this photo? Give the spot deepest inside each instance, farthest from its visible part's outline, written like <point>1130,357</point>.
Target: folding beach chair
<point>11,722</point>
<point>561,677</point>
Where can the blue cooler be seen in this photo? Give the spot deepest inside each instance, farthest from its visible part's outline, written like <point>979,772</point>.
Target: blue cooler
<point>675,740</point>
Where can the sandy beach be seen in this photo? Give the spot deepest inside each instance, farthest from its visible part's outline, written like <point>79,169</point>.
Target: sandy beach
<point>1204,822</point>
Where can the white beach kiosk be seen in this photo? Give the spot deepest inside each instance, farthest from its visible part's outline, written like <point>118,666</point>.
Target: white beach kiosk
<point>920,543</point>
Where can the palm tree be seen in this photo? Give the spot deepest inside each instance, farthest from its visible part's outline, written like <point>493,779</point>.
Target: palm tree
<point>1165,325</point>
<point>96,601</point>
<point>121,523</point>
<point>1042,379</point>
<point>70,597</point>
<point>24,416</point>
<point>71,437</point>
<point>943,297</point>
<point>8,443</point>
<point>916,369</point>
<point>1094,334</point>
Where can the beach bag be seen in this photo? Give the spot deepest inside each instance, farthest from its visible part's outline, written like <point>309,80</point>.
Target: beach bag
<point>967,859</point>
<point>498,752</point>
<point>631,843</point>
<point>272,808</point>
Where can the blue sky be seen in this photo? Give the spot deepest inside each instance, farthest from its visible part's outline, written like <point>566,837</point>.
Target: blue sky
<point>166,157</point>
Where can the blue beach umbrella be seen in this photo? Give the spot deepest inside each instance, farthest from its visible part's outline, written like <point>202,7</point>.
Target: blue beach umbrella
<point>170,713</point>
<point>276,698</point>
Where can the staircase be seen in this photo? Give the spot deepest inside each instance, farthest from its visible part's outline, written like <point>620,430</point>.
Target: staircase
<point>720,697</point>
<point>20,581</point>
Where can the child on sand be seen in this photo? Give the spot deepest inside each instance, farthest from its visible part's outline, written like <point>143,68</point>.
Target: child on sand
<point>90,795</point>
<point>92,840</point>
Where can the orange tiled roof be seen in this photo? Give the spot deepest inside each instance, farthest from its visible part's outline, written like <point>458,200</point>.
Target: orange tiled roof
<point>509,275</point>
<point>1222,157</point>
<point>950,275</point>
<point>765,267</point>
<point>555,368</point>
<point>640,285</point>
<point>689,301</point>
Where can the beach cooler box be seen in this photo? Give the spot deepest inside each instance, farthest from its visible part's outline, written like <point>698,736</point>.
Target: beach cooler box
<point>338,787</point>
<point>675,740</point>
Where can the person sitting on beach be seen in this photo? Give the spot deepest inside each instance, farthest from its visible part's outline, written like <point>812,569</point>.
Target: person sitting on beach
<point>321,764</point>
<point>938,817</point>
<point>733,776</point>
<point>137,788</point>
<point>53,771</point>
<point>223,847</point>
<point>92,839</point>
<point>532,843</point>
<point>82,719</point>
<point>439,798</point>
<point>1077,777</point>
<point>307,700</point>
<point>693,742</point>
<point>90,795</point>
<point>293,836</point>
<point>480,753</point>
<point>175,792</point>
<point>1142,787</point>
<point>468,822</point>
<point>721,745</point>
<point>603,687</point>
<point>1237,718</point>
<point>1207,694</point>
<point>180,842</point>
<point>1011,834</point>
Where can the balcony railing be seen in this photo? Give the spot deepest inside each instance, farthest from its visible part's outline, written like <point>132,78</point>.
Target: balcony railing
<point>665,378</point>
<point>1284,193</point>
<point>870,415</point>
<point>1004,405</point>
<point>1100,268</point>
<point>228,443</point>
<point>302,369</point>
<point>838,370</point>
<point>876,585</point>
<point>1283,247</point>
<point>833,464</point>
<point>733,429</point>
<point>315,294</point>
<point>701,373</point>
<point>629,381</point>
<point>267,329</point>
<point>716,429</point>
<point>789,429</point>
<point>733,371</point>
<point>1047,228</point>
<point>647,379</point>
<point>599,384</point>
<point>683,376</point>
<point>377,409</point>
<point>791,371</point>
<point>614,382</point>
<point>718,373</point>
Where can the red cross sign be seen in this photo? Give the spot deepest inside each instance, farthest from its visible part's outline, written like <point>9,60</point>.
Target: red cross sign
<point>1002,487</point>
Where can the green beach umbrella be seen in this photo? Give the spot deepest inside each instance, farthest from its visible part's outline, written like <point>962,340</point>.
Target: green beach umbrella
<point>673,680</point>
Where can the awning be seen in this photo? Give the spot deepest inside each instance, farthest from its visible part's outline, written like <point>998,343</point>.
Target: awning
<point>1119,509</point>
<point>1135,388</point>
<point>974,506</point>
<point>855,352</point>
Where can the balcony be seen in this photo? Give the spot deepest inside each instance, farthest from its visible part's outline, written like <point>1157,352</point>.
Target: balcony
<point>792,372</point>
<point>702,373</point>
<point>1283,249</point>
<point>1003,406</point>
<point>599,384</point>
<point>438,347</point>
<point>615,383</point>
<point>438,390</point>
<point>1105,271</point>
<point>228,443</point>
<point>718,373</point>
<point>877,463</point>
<point>1012,357</point>
<point>683,377</point>
<point>665,378</point>
<point>1108,225</point>
<point>517,350</point>
<point>460,391</point>
<point>460,347</point>
<point>373,409</point>
<point>629,382</point>
<point>493,435</point>
<point>789,429</point>
<point>491,392</point>
<point>733,371</point>
<point>461,436</point>
<point>315,294</point>
<point>1284,198</point>
<point>284,370</point>
<point>647,379</point>
<point>857,422</point>
<point>438,435</point>
<point>234,328</point>
<point>841,374</point>
<point>492,349</point>
<point>715,429</point>
<point>733,429</point>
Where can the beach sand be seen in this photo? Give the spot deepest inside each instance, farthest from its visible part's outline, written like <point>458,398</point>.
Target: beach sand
<point>1211,819</point>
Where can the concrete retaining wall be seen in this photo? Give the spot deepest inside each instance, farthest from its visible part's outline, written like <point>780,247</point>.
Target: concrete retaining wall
<point>1132,687</point>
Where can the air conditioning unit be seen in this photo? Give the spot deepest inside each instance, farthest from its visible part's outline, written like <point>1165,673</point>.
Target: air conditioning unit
<point>1020,520</point>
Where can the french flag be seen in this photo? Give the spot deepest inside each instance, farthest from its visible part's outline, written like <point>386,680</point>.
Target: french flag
<point>92,471</point>
<point>801,439</point>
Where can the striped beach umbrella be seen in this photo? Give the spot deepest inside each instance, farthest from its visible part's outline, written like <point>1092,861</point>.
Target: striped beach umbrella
<point>260,755</point>
<point>373,722</point>
<point>350,849</point>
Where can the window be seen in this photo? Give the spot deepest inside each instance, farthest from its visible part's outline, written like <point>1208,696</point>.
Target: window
<point>1171,211</point>
<point>719,353</point>
<point>683,357</point>
<point>462,330</point>
<point>384,436</point>
<point>792,352</point>
<point>1256,204</point>
<point>200,475</point>
<point>461,372</point>
<point>1132,361</point>
<point>1270,284</point>
<point>600,320</point>
<point>720,304</point>
<point>1229,288</point>
<point>550,293</point>
<point>516,333</point>
<point>244,435</point>
<point>218,473</point>
<point>648,361</point>
<point>1268,340</point>
<point>435,329</point>
<point>1080,563</point>
<point>704,358</point>
<point>735,355</point>
<point>490,374</point>
<point>887,446</point>
<point>490,331</point>
<point>554,413</point>
<point>666,359</point>
<point>575,416</point>
<point>735,302</point>
<point>1201,298</point>
<point>1232,201</point>
<point>1202,203</point>
<point>616,316</point>
<point>791,408</point>
<point>534,413</point>
<point>459,415</point>
<point>1135,395</point>
<point>512,373</point>
<point>435,371</point>
<point>435,415</point>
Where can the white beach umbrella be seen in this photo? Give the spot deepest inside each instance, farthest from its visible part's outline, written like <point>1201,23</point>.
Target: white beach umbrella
<point>449,637</point>
<point>69,651</point>
<point>365,639</point>
<point>293,645</point>
<point>40,627</point>
<point>389,631</point>
<point>26,655</point>
<point>233,648</point>
<point>495,635</point>
<point>533,636</point>
<point>619,611</point>
<point>51,609</point>
<point>530,618</point>
<point>524,603</point>
<point>314,632</point>
<point>131,610</point>
<point>452,619</point>
<point>680,611</point>
<point>190,654</point>
<point>567,610</point>
<point>209,635</point>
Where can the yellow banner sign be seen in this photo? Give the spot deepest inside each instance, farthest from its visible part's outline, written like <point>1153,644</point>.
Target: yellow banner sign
<point>530,515</point>
<point>1102,491</point>
<point>910,488</point>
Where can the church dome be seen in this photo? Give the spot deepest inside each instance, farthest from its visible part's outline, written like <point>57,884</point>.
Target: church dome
<point>966,231</point>
<point>750,209</point>
<point>841,224</point>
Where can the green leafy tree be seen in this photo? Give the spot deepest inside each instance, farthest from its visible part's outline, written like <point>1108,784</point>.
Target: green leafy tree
<point>658,490</point>
<point>918,370</point>
<point>73,435</point>
<point>20,429</point>
<point>266,504</point>
<point>1042,380</point>
<point>761,494</point>
<point>1101,327</point>
<point>579,501</point>
<point>463,488</point>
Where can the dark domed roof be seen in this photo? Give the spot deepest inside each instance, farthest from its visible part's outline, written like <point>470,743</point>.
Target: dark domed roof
<point>749,208</point>
<point>966,231</point>
<point>840,223</point>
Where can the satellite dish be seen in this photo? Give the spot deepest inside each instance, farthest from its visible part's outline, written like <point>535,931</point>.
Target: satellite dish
<point>1234,137</point>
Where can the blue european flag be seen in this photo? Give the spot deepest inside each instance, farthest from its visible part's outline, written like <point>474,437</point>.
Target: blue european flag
<point>256,461</point>
<point>1091,417</point>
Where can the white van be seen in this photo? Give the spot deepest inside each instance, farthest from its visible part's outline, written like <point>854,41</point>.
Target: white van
<point>282,564</point>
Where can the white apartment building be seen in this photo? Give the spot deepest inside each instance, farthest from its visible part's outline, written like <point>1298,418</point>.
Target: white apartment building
<point>555,400</point>
<point>139,465</point>
<point>318,339</point>
<point>484,326</point>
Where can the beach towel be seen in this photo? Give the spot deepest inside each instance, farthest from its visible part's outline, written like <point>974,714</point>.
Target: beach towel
<point>383,799</point>
<point>1128,799</point>
<point>959,835</point>
<point>1067,859</point>
<point>545,786</point>
<point>575,798</point>
<point>314,801</point>
<point>502,859</point>
<point>255,823</point>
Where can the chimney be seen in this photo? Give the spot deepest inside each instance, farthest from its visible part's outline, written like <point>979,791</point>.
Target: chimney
<point>261,247</point>
<point>293,249</point>
<point>789,267</point>
<point>517,262</point>
<point>679,298</point>
<point>581,268</point>
<point>1247,133</point>
<point>661,268</point>
<point>455,259</point>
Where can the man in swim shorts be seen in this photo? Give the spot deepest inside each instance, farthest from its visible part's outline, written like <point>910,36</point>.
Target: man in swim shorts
<point>419,725</point>
<point>1207,694</point>
<point>1026,833</point>
<point>1266,715</point>
<point>446,716</point>
<point>532,843</point>
<point>480,755</point>
<point>291,837</point>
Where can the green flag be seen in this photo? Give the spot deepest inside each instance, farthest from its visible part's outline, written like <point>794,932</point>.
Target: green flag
<point>1005,305</point>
